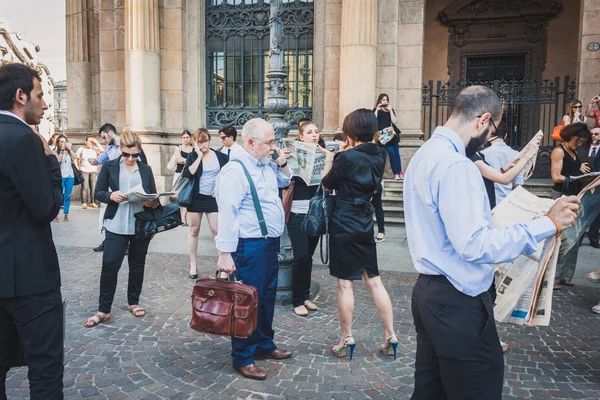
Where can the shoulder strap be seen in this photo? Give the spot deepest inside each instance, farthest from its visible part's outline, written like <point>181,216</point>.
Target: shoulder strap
<point>257,207</point>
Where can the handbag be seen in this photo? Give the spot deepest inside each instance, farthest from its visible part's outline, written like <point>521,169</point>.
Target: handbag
<point>387,134</point>
<point>320,209</point>
<point>556,133</point>
<point>396,129</point>
<point>172,165</point>
<point>287,195</point>
<point>224,307</point>
<point>148,223</point>
<point>185,191</point>
<point>77,175</point>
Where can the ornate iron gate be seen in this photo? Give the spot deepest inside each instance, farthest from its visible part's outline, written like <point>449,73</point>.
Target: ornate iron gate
<point>237,52</point>
<point>528,106</point>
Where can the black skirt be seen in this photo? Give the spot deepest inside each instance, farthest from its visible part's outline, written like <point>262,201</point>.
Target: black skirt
<point>202,203</point>
<point>352,241</point>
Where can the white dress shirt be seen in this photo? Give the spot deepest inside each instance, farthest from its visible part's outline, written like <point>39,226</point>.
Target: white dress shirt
<point>237,215</point>
<point>448,219</point>
<point>233,152</point>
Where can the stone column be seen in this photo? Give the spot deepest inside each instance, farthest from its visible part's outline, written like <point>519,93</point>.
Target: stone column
<point>142,66</point>
<point>79,77</point>
<point>588,62</point>
<point>358,56</point>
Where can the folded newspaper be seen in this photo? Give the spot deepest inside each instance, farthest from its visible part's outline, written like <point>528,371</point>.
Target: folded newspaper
<point>530,166</point>
<point>307,161</point>
<point>137,194</point>
<point>524,286</point>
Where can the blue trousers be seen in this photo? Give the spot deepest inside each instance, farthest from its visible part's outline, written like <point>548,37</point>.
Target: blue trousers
<point>394,153</point>
<point>67,185</point>
<point>256,265</point>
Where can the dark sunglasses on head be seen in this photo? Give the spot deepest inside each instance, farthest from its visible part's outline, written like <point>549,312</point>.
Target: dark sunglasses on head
<point>124,154</point>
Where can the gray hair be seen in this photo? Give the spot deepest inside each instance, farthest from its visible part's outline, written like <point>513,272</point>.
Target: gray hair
<point>254,128</point>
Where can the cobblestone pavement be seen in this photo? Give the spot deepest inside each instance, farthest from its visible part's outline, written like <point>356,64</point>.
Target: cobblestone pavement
<point>160,357</point>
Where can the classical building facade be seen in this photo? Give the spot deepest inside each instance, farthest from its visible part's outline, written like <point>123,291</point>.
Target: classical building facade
<point>159,66</point>
<point>60,106</point>
<point>15,49</point>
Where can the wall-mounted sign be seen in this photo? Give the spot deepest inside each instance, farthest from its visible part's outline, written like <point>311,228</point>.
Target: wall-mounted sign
<point>593,46</point>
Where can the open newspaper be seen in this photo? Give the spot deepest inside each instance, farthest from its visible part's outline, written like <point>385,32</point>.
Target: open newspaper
<point>307,161</point>
<point>530,167</point>
<point>524,286</point>
<point>137,194</point>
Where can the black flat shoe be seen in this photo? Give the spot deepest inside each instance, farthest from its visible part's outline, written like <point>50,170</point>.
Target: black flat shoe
<point>195,276</point>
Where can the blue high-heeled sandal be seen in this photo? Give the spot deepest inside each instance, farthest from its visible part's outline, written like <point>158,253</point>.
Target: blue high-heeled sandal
<point>343,351</point>
<point>391,348</point>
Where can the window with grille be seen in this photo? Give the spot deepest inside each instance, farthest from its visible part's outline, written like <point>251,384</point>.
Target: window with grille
<point>237,59</point>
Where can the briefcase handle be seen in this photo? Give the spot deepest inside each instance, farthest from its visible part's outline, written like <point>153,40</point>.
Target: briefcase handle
<point>227,278</point>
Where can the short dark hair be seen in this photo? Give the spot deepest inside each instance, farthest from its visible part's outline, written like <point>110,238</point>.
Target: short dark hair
<point>12,78</point>
<point>577,129</point>
<point>186,132</point>
<point>360,125</point>
<point>107,128</point>
<point>229,131</point>
<point>340,136</point>
<point>502,131</point>
<point>474,101</point>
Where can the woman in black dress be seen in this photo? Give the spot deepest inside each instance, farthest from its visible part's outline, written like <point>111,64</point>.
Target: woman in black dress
<point>202,165</point>
<point>565,162</point>
<point>355,174</point>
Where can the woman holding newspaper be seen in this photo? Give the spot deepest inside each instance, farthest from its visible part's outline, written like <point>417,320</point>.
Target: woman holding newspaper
<point>564,164</point>
<point>116,178</point>
<point>202,165</point>
<point>303,245</point>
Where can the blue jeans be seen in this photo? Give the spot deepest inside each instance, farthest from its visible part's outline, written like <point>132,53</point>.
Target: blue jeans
<point>394,153</point>
<point>67,185</point>
<point>256,265</point>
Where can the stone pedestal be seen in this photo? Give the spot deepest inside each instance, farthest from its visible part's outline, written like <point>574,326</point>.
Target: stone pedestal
<point>358,56</point>
<point>588,64</point>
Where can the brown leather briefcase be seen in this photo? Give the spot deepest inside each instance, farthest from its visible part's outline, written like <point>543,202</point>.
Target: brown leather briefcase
<point>222,307</point>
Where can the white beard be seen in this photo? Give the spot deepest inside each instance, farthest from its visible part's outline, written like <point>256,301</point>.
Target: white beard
<point>266,160</point>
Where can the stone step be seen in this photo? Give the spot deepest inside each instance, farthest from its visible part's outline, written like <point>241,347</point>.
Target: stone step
<point>392,184</point>
<point>393,212</point>
<point>391,202</point>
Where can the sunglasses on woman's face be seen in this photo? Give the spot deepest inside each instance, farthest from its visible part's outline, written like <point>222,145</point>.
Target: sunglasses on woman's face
<point>126,155</point>
<point>579,106</point>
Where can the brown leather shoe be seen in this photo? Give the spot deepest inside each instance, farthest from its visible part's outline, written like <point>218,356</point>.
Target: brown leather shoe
<point>276,355</point>
<point>252,372</point>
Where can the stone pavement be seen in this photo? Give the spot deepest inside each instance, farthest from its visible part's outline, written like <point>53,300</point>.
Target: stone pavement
<point>160,357</point>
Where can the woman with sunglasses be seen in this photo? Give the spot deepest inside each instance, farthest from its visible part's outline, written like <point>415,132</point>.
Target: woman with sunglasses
<point>116,178</point>
<point>574,114</point>
<point>564,163</point>
<point>202,165</point>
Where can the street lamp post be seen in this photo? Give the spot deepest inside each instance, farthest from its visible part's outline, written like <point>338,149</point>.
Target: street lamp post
<point>277,105</point>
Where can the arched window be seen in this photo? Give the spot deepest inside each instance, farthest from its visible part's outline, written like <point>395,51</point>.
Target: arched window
<point>237,59</point>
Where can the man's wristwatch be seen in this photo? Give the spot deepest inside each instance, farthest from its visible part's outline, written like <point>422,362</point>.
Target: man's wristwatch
<point>283,165</point>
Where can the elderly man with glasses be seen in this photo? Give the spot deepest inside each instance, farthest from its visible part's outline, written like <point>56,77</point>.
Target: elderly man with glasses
<point>250,223</point>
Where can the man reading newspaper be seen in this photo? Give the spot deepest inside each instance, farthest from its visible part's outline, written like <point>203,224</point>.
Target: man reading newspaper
<point>454,246</point>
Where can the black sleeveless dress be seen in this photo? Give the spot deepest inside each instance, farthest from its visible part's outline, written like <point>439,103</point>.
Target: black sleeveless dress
<point>571,167</point>
<point>180,166</point>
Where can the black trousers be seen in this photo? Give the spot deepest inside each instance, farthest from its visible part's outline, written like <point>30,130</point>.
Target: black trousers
<point>594,232</point>
<point>458,350</point>
<point>303,248</point>
<point>114,252</point>
<point>33,326</point>
<point>378,205</point>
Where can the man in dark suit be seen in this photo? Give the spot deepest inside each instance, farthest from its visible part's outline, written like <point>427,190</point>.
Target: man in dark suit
<point>592,157</point>
<point>31,312</point>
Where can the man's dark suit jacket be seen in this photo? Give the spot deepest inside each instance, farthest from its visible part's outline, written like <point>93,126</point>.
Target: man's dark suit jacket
<point>583,153</point>
<point>30,198</point>
<point>108,178</point>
